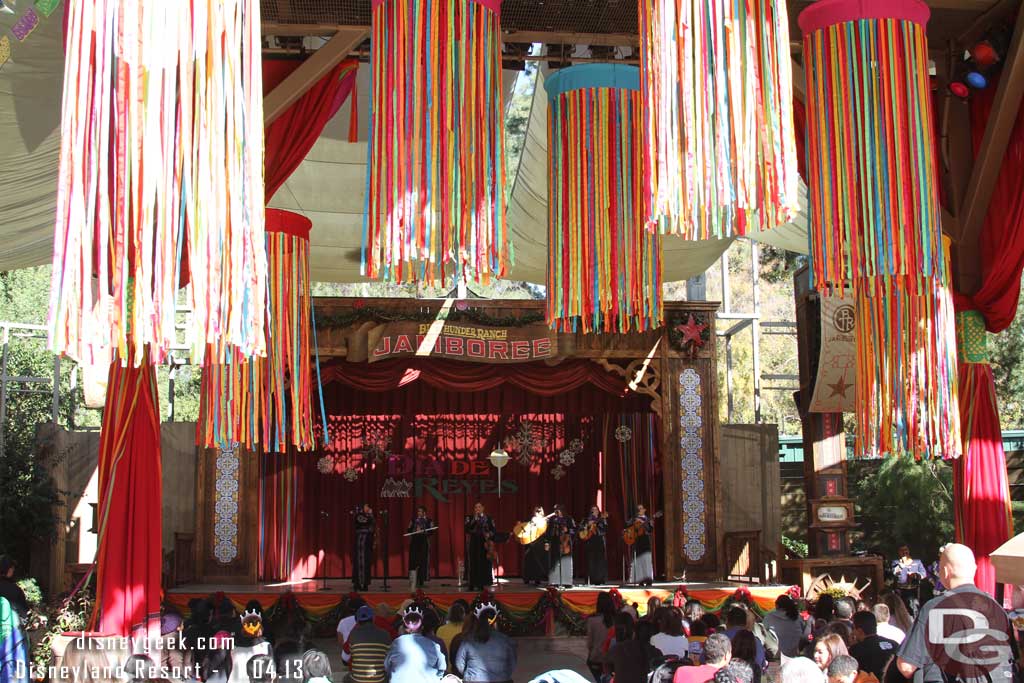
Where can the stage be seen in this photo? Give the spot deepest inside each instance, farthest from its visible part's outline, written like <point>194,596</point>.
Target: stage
<point>526,610</point>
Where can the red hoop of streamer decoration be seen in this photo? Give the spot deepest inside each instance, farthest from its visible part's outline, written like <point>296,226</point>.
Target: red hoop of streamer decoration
<point>268,401</point>
<point>720,157</point>
<point>604,266</point>
<point>875,218</point>
<point>435,199</point>
<point>161,164</point>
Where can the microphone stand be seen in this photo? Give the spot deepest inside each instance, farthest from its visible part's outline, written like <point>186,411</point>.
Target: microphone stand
<point>387,553</point>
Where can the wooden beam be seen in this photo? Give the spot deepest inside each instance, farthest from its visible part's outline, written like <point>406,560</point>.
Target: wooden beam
<point>311,71</point>
<point>993,145</point>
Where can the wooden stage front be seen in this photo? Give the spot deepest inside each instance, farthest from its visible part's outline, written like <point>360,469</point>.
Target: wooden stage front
<point>319,601</point>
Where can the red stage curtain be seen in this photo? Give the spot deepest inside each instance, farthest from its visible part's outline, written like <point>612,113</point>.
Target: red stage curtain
<point>307,529</point>
<point>982,492</point>
<point>130,556</point>
<point>290,137</point>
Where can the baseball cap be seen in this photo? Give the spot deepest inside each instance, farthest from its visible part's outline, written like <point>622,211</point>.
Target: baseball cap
<point>364,613</point>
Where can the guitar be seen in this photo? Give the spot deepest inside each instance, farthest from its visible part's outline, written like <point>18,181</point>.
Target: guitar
<point>528,532</point>
<point>637,529</point>
<point>589,529</point>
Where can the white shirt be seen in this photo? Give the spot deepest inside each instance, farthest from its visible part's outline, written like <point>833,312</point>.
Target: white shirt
<point>671,645</point>
<point>345,627</point>
<point>887,630</point>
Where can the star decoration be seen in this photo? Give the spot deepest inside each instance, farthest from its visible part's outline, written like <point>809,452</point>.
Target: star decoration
<point>350,474</point>
<point>325,464</point>
<point>839,388</point>
<point>557,472</point>
<point>567,457</point>
<point>526,441</point>
<point>376,448</point>
<point>691,332</point>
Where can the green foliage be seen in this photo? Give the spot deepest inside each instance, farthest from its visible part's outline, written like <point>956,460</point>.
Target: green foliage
<point>779,265</point>
<point>902,500</point>
<point>33,594</point>
<point>835,591</point>
<point>67,615</point>
<point>795,546</point>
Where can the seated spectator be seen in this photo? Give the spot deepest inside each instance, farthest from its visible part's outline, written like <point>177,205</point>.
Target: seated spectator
<point>316,667</point>
<point>367,646</point>
<point>92,660</point>
<point>248,644</point>
<point>842,669</point>
<point>217,663</point>
<point>872,651</point>
<point>698,636</point>
<point>845,608</point>
<point>736,620</point>
<point>629,660</point>
<point>717,653</point>
<point>347,623</point>
<point>789,627</point>
<point>260,669</point>
<point>670,639</point>
<point>899,616</point>
<point>736,671</point>
<point>800,670</point>
<point>453,626</point>
<point>842,629</point>
<point>486,655</point>
<point>744,649</point>
<point>468,626</point>
<point>693,611</point>
<point>413,657</point>
<point>430,624</point>
<point>886,629</point>
<point>599,625</point>
<point>828,648</point>
<point>288,664</point>
<point>653,606</point>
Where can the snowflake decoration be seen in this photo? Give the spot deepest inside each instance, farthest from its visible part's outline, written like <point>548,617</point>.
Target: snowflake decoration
<point>557,472</point>
<point>567,458</point>
<point>376,448</point>
<point>576,446</point>
<point>325,464</point>
<point>526,442</point>
<point>350,474</point>
<point>623,434</point>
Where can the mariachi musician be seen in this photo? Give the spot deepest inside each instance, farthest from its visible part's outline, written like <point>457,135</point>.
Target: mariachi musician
<point>421,528</point>
<point>592,532</point>
<point>561,529</point>
<point>480,551</point>
<point>362,554</point>
<point>533,535</point>
<point>642,567</point>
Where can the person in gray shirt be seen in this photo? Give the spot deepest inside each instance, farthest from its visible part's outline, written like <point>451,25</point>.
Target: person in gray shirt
<point>487,655</point>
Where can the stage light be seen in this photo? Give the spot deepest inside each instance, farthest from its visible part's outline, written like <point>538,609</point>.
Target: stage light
<point>976,80</point>
<point>958,89</point>
<point>984,54</point>
<point>499,458</point>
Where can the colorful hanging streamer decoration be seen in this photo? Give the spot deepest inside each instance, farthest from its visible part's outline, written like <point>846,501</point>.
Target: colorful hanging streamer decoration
<point>604,266</point>
<point>716,78</point>
<point>435,199</point>
<point>268,401</point>
<point>876,225</point>
<point>161,164</point>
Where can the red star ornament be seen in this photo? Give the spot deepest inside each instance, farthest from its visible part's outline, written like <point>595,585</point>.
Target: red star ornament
<point>691,332</point>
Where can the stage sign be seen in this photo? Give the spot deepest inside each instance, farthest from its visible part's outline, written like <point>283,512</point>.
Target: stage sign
<point>461,341</point>
<point>834,390</point>
<point>409,477</point>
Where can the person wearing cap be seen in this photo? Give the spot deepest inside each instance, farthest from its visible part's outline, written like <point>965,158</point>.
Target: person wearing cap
<point>414,658</point>
<point>367,647</point>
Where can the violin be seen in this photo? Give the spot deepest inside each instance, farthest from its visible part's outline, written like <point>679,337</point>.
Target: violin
<point>589,529</point>
<point>634,531</point>
<point>565,544</point>
<point>492,550</point>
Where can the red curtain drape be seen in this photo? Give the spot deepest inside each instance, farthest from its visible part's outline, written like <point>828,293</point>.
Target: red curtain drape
<point>982,494</point>
<point>290,137</point>
<point>440,425</point>
<point>129,559</point>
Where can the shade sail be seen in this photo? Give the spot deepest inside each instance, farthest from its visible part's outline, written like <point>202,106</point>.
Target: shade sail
<point>328,187</point>
<point>1008,560</point>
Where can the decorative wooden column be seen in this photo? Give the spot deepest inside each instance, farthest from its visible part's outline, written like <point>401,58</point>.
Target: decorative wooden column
<point>227,515</point>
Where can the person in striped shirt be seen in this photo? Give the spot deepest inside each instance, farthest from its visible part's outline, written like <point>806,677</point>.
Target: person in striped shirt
<point>367,646</point>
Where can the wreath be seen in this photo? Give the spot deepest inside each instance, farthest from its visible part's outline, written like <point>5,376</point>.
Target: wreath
<point>688,333</point>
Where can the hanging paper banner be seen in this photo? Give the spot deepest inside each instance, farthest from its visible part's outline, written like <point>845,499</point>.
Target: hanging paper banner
<point>268,401</point>
<point>604,266</point>
<point>875,221</point>
<point>435,199</point>
<point>716,78</point>
<point>835,383</point>
<point>161,165</point>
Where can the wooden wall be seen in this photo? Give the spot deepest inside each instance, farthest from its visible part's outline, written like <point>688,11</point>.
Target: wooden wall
<point>751,498</point>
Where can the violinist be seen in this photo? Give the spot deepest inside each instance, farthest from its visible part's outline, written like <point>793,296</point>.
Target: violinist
<point>480,528</point>
<point>561,529</point>
<point>537,557</point>
<point>362,555</point>
<point>592,532</point>
<point>642,567</point>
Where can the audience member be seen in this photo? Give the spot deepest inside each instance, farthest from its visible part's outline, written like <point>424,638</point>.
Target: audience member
<point>693,611</point>
<point>216,665</point>
<point>248,643</point>
<point>598,626</point>
<point>468,626</point>
<point>842,629</point>
<point>316,667</point>
<point>431,621</point>
<point>736,620</point>
<point>288,663</point>
<point>790,628</point>
<point>744,649</point>
<point>453,626</point>
<point>886,629</point>
<point>629,660</point>
<point>825,608</point>
<point>842,669</point>
<point>653,606</point>
<point>670,639</point>
<point>828,648</point>
<point>717,653</point>
<point>260,669</point>
<point>486,655</point>
<point>844,609</point>
<point>698,636</point>
<point>736,671</point>
<point>414,658</point>
<point>367,646</point>
<point>899,615</point>
<point>800,670</point>
<point>871,651</point>
<point>10,589</point>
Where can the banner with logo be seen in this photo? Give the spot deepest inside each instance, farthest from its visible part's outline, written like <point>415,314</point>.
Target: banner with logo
<point>834,390</point>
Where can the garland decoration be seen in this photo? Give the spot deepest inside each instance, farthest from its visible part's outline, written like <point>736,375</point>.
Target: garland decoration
<point>269,401</point>
<point>604,266</point>
<point>876,225</point>
<point>384,315</point>
<point>688,335</point>
<point>161,166</point>
<point>716,78</point>
<point>435,200</point>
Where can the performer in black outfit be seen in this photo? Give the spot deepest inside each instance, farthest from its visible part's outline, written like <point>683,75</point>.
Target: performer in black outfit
<point>561,529</point>
<point>481,530</point>
<point>537,557</point>
<point>595,527</point>
<point>422,528</point>
<point>362,555</point>
<point>642,568</point>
